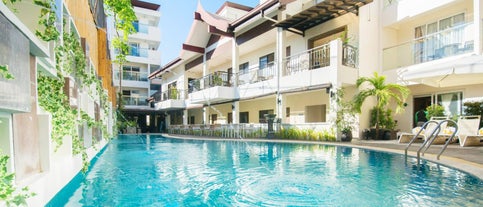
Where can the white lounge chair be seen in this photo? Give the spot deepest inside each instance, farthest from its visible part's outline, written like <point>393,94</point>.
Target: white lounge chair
<point>426,133</point>
<point>468,131</point>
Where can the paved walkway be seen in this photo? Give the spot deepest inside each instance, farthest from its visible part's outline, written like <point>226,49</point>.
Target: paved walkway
<point>468,159</point>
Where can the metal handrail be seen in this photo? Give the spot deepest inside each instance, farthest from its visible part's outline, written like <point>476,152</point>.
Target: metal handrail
<point>431,137</point>
<point>417,135</point>
<point>447,141</point>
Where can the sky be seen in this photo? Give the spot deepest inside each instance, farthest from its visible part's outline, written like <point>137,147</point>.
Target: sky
<point>176,19</point>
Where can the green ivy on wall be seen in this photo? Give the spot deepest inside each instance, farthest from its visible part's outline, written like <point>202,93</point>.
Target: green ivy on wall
<point>5,73</point>
<point>8,192</point>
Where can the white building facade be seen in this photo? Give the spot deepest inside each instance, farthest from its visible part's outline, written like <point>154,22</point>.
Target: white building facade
<point>143,58</point>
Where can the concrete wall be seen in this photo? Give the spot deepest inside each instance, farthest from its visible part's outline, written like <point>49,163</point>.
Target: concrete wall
<point>14,52</point>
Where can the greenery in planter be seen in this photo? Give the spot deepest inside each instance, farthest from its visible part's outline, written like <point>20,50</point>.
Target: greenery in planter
<point>434,110</point>
<point>345,116</point>
<point>376,87</point>
<point>305,134</point>
<point>217,80</point>
<point>173,93</point>
<point>8,192</point>
<point>474,108</point>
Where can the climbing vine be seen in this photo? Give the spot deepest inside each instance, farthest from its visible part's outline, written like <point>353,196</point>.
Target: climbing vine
<point>5,73</point>
<point>8,192</point>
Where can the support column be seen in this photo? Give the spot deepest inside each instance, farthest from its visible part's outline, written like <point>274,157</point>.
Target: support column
<point>280,54</point>
<point>206,113</point>
<point>478,25</point>
<point>185,117</point>
<point>235,68</point>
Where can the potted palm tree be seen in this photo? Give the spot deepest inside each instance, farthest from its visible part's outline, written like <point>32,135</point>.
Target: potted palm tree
<point>383,93</point>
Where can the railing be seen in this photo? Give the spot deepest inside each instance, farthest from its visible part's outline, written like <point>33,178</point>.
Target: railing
<point>350,56</point>
<point>138,52</point>
<point>135,100</point>
<point>308,60</point>
<point>257,74</point>
<point>450,42</point>
<point>219,78</point>
<point>173,94</point>
<point>132,76</point>
<point>140,28</point>
<point>222,130</point>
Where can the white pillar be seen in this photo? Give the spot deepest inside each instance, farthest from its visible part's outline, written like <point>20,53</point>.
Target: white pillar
<point>185,117</point>
<point>477,18</point>
<point>235,68</point>
<point>206,113</point>
<point>279,52</point>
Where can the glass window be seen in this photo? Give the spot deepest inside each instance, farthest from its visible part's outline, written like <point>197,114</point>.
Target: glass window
<point>452,103</point>
<point>264,61</point>
<point>262,113</point>
<point>244,117</point>
<point>243,68</point>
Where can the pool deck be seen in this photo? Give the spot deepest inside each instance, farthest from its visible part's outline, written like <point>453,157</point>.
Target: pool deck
<point>468,159</point>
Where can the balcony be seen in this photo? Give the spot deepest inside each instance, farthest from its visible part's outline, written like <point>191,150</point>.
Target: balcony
<point>442,59</point>
<point>256,74</point>
<point>132,79</point>
<point>172,99</point>
<point>144,55</point>
<point>447,43</point>
<point>134,100</point>
<point>215,87</point>
<point>146,32</point>
<point>330,63</point>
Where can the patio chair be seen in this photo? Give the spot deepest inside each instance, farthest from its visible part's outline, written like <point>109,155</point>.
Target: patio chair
<point>468,134</point>
<point>425,133</point>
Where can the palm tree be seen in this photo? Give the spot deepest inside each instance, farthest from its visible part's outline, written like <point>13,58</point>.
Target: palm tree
<point>383,93</point>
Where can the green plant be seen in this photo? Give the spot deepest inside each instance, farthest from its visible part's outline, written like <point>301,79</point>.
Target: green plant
<point>474,108</point>
<point>434,110</point>
<point>8,192</point>
<point>345,116</point>
<point>173,93</point>
<point>385,118</point>
<point>217,80</point>
<point>383,93</point>
<point>5,73</point>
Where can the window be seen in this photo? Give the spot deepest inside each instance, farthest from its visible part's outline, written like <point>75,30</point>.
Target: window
<point>134,49</point>
<point>287,112</point>
<point>214,117</point>
<point>155,87</point>
<point>244,118</point>
<point>230,118</point>
<point>316,113</point>
<point>288,51</point>
<point>452,103</point>
<point>266,60</point>
<point>438,39</point>
<point>262,113</point>
<point>243,68</point>
<point>135,24</point>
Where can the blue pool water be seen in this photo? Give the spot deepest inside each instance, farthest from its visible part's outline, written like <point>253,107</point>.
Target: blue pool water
<point>155,171</point>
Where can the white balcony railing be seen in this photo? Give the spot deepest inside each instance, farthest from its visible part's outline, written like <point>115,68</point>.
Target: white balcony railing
<point>450,42</point>
<point>132,76</point>
<point>256,74</point>
<point>134,100</point>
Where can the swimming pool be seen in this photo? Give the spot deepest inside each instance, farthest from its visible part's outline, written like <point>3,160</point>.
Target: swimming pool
<point>152,170</point>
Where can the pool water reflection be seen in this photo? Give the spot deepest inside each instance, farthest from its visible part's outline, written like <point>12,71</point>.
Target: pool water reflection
<point>151,170</point>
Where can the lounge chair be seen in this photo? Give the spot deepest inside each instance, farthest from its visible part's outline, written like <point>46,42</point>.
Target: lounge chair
<point>468,134</point>
<point>425,133</point>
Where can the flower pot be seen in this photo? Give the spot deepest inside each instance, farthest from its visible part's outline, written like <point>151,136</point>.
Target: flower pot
<point>346,136</point>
